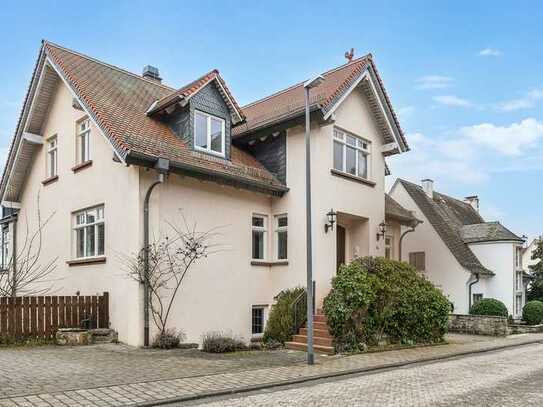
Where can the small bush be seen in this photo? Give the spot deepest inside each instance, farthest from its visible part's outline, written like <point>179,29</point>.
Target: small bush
<point>219,342</point>
<point>281,318</point>
<point>489,306</point>
<point>532,313</point>
<point>169,339</point>
<point>375,298</point>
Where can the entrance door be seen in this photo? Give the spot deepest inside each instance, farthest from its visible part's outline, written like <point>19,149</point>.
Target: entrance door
<point>340,246</point>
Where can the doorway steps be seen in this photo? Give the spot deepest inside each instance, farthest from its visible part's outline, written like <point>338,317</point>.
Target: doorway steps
<point>322,340</point>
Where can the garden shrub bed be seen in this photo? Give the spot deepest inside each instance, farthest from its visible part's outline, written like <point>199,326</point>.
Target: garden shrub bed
<point>375,298</point>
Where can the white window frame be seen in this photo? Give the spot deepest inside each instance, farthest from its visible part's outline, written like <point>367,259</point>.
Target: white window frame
<point>82,138</point>
<point>264,230</point>
<point>5,241</point>
<point>208,149</point>
<point>52,157</point>
<point>389,246</point>
<point>518,308</point>
<point>276,233</point>
<point>518,281</point>
<point>518,257</point>
<point>340,136</point>
<point>264,309</point>
<point>97,222</point>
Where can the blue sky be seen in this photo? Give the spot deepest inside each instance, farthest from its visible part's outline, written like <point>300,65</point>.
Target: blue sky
<point>465,77</point>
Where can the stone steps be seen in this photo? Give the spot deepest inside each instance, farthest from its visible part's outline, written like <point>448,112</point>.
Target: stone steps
<point>322,340</point>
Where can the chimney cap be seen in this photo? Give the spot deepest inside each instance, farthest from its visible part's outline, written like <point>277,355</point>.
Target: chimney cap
<point>151,72</point>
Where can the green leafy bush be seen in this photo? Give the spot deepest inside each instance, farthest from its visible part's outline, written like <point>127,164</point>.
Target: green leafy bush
<point>169,339</point>
<point>220,342</point>
<point>373,298</point>
<point>489,306</point>
<point>281,319</point>
<point>532,313</point>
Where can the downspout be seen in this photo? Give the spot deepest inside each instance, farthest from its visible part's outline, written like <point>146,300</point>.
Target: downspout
<point>14,258</point>
<point>471,285</point>
<point>413,227</point>
<point>162,167</point>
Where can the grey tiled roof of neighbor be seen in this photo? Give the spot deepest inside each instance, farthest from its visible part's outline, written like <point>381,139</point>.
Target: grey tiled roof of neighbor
<point>393,210</point>
<point>448,215</point>
<point>487,232</point>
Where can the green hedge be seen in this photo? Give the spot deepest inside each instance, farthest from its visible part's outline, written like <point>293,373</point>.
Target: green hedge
<point>374,297</point>
<point>281,319</point>
<point>489,306</point>
<point>532,313</point>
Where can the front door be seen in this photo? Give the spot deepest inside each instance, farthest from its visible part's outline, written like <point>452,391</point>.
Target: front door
<point>340,246</point>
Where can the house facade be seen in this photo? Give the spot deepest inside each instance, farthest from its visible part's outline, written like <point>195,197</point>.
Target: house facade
<point>528,252</point>
<point>93,138</point>
<point>461,253</point>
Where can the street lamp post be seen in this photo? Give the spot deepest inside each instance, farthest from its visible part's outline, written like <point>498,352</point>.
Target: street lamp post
<point>307,86</point>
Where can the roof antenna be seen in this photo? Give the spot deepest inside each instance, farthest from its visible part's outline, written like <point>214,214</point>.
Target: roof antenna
<point>349,55</point>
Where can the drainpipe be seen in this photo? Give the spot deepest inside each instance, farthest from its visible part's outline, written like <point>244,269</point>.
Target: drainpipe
<point>413,227</point>
<point>162,166</point>
<point>470,285</point>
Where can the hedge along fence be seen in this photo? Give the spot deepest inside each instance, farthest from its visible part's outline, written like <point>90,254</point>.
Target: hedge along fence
<point>42,316</point>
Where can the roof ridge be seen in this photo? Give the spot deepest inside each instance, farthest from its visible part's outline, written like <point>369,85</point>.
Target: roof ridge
<point>440,193</point>
<point>332,70</point>
<point>125,71</point>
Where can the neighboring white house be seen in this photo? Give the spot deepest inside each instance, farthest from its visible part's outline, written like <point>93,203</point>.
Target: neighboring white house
<point>527,253</point>
<point>468,258</point>
<point>92,138</point>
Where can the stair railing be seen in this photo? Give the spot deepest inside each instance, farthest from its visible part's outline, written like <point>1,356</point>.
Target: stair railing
<point>299,310</point>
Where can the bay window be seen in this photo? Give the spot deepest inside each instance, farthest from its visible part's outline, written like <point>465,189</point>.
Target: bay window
<point>209,133</point>
<point>89,232</point>
<point>351,154</point>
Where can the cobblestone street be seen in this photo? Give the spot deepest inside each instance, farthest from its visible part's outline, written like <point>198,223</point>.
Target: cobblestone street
<point>512,377</point>
<point>119,375</point>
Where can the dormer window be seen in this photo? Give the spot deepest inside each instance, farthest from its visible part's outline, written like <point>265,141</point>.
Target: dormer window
<point>209,133</point>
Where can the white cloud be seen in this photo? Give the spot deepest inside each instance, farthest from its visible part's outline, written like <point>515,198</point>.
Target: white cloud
<point>510,140</point>
<point>405,112</point>
<point>433,82</point>
<point>490,52</point>
<point>451,100</point>
<point>526,102</point>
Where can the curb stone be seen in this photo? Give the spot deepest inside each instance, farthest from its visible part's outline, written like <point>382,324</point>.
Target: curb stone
<point>347,372</point>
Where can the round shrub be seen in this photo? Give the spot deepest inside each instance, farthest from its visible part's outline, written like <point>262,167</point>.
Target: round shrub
<point>532,313</point>
<point>169,339</point>
<point>280,322</point>
<point>489,306</point>
<point>220,342</point>
<point>374,298</point>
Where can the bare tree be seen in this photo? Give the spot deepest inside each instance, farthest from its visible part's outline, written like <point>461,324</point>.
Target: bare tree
<point>25,273</point>
<point>170,260</point>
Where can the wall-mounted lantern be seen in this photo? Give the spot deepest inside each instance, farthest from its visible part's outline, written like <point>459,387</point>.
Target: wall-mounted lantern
<point>382,230</point>
<point>331,220</point>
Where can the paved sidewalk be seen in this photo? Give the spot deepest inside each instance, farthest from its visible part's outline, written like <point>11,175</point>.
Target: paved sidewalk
<point>182,386</point>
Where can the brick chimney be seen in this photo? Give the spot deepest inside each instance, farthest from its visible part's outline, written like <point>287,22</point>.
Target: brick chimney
<point>473,201</point>
<point>428,187</point>
<point>151,72</point>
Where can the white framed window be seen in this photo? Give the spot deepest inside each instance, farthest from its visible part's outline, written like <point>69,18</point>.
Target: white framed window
<point>52,157</point>
<point>518,305</point>
<point>258,320</point>
<point>281,237</point>
<point>518,257</point>
<point>89,232</point>
<point>5,248</point>
<point>83,141</point>
<point>209,133</point>
<point>389,247</point>
<point>518,280</point>
<point>351,154</point>
<point>259,232</point>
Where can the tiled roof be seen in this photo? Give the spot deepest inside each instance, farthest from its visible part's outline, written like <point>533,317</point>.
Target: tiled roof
<point>448,215</point>
<point>118,100</point>
<point>290,102</point>
<point>487,232</point>
<point>393,210</point>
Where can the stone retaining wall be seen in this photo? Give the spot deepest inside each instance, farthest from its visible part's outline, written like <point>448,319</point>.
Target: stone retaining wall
<point>525,329</point>
<point>478,324</point>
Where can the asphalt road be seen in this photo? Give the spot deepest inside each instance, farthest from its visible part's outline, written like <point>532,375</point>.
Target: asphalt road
<point>511,377</point>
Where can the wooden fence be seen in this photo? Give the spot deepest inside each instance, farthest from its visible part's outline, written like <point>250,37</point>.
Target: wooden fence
<point>42,316</point>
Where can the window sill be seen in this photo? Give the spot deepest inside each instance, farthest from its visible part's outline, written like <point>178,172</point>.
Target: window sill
<point>269,263</point>
<point>87,261</point>
<point>82,166</point>
<point>50,180</point>
<point>352,177</point>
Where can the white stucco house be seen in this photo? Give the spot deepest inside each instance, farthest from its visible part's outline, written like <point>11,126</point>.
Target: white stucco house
<point>528,251</point>
<point>461,253</point>
<point>92,138</point>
